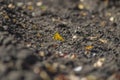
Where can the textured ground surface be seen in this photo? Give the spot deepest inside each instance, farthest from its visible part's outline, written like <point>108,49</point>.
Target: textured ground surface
<point>59,40</point>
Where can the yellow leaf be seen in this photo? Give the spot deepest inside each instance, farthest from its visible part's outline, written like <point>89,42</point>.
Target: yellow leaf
<point>88,47</point>
<point>57,36</point>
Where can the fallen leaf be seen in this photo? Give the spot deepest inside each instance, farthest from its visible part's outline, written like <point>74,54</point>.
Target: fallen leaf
<point>88,48</point>
<point>58,37</point>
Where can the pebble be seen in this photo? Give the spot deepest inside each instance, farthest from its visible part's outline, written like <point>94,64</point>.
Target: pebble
<point>19,4</point>
<point>29,3</point>
<point>30,7</point>
<point>103,40</point>
<point>111,19</point>
<point>51,68</point>
<point>28,44</point>
<point>11,6</point>
<point>61,54</point>
<point>73,56</point>
<point>42,53</point>
<point>78,69</point>
<point>89,77</point>
<point>39,3</point>
<point>73,77</point>
<point>99,63</point>
<point>44,75</point>
<point>74,37</point>
<point>5,27</point>
<point>81,6</point>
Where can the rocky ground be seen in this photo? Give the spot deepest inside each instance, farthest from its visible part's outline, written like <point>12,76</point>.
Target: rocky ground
<point>59,40</point>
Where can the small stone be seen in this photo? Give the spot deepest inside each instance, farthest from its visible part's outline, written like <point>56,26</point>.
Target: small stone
<point>112,19</point>
<point>51,68</point>
<point>99,63</point>
<point>36,70</point>
<point>103,23</point>
<point>29,3</point>
<point>81,6</point>
<point>62,67</point>
<point>6,17</point>
<point>92,37</point>
<point>81,0</point>
<point>44,75</point>
<point>103,40</point>
<point>74,37</point>
<point>39,3</point>
<point>61,54</point>
<point>73,56</point>
<point>83,13</point>
<point>73,77</point>
<point>41,53</point>
<point>19,4</point>
<point>30,7</point>
<point>83,78</point>
<point>11,6</point>
<point>28,44</point>
<point>5,27</point>
<point>33,14</point>
<point>91,77</point>
<point>108,14</point>
<point>38,35</point>
<point>78,69</point>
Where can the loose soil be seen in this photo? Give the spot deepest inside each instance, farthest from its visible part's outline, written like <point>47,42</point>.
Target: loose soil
<point>59,40</point>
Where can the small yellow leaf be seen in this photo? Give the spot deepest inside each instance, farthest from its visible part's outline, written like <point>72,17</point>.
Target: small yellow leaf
<point>57,36</point>
<point>88,47</point>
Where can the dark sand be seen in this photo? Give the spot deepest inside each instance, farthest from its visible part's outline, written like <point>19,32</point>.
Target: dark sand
<point>59,40</point>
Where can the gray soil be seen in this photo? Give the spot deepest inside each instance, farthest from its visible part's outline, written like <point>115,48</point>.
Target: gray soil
<point>59,40</point>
